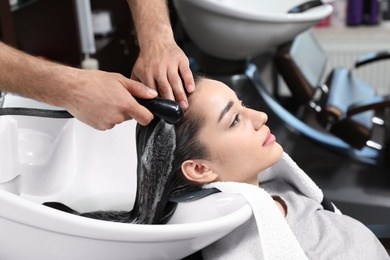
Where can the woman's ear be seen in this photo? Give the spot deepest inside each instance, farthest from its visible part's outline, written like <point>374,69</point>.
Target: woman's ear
<point>198,171</point>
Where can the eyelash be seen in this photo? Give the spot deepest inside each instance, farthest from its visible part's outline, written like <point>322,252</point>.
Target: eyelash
<point>235,121</point>
<point>237,118</point>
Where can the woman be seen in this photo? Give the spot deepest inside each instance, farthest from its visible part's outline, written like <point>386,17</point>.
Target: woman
<point>194,163</point>
<point>219,139</point>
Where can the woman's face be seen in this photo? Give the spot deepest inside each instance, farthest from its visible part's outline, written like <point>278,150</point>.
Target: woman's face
<point>240,143</point>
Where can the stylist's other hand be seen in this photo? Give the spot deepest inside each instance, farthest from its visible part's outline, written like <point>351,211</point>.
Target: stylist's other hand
<point>162,65</point>
<point>102,99</point>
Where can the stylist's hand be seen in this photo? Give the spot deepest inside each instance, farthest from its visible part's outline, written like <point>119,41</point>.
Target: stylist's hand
<point>102,99</point>
<point>161,65</point>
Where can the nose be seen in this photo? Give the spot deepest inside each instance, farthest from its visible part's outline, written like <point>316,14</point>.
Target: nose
<point>258,118</point>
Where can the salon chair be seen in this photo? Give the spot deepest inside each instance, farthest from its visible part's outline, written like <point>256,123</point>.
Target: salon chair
<point>343,104</point>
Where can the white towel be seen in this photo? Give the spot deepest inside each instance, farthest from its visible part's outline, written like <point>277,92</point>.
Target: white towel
<point>273,238</point>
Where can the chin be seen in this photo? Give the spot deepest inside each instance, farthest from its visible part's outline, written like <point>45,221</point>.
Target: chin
<point>276,153</point>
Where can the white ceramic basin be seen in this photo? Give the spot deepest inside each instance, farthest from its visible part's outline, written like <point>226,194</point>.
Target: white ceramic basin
<point>65,160</point>
<point>238,29</point>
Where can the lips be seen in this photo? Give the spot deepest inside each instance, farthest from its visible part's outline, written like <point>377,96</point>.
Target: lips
<point>270,139</point>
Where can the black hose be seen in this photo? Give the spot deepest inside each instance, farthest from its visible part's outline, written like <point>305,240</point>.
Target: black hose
<point>22,111</point>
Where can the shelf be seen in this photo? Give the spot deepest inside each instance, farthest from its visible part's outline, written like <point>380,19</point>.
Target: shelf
<point>378,34</point>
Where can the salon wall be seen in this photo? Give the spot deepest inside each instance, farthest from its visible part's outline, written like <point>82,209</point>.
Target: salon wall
<point>354,29</point>
<point>49,29</point>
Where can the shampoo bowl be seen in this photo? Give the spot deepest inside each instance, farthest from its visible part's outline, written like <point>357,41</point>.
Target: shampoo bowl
<point>66,161</point>
<point>231,29</point>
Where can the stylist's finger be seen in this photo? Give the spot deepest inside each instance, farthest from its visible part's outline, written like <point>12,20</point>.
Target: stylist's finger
<point>178,88</point>
<point>186,75</point>
<point>164,87</point>
<point>138,112</point>
<point>146,80</point>
<point>133,76</point>
<point>141,114</point>
<point>138,89</point>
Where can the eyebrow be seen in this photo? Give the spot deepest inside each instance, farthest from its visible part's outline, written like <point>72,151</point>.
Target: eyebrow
<point>225,110</point>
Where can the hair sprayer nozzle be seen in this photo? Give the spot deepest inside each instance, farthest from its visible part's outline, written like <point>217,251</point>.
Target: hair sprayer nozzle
<point>168,110</point>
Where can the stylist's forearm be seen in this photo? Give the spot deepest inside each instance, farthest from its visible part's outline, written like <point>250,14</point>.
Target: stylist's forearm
<point>97,98</point>
<point>151,21</point>
<point>32,77</point>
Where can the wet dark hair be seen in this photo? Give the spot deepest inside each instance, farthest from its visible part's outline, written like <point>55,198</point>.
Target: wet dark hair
<point>186,146</point>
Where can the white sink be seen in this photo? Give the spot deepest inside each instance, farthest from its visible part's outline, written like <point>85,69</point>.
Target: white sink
<point>240,29</point>
<point>67,161</point>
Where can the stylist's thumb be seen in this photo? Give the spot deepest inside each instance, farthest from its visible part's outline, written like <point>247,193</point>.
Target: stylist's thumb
<point>137,89</point>
<point>140,113</point>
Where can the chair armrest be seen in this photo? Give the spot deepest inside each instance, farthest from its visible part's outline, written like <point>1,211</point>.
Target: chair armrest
<point>375,103</point>
<point>372,57</point>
